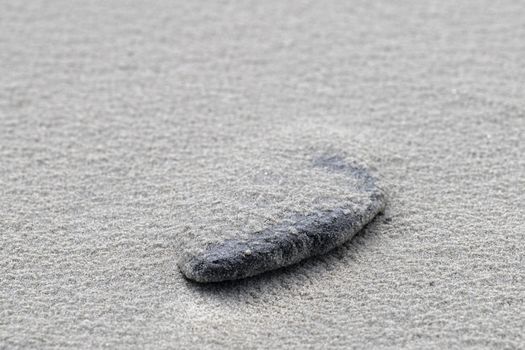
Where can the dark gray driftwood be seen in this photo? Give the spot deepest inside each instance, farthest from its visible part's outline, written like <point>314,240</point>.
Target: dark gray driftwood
<point>285,244</point>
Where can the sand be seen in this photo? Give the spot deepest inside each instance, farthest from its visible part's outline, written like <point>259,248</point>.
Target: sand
<point>130,131</point>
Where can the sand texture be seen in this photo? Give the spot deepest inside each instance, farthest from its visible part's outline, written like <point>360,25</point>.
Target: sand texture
<point>133,133</point>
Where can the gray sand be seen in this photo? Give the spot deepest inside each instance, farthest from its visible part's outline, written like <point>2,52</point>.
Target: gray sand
<point>131,132</point>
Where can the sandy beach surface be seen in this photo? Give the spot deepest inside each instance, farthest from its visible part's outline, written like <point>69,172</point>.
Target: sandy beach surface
<point>131,132</point>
